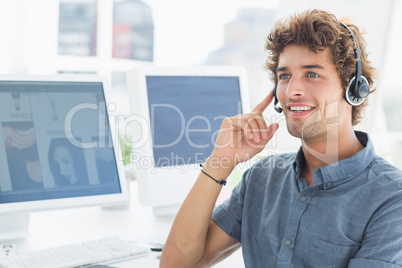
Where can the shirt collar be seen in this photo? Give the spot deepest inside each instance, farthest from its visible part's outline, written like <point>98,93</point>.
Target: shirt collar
<point>340,171</point>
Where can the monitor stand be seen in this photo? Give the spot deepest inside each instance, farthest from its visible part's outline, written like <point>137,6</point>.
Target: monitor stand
<point>14,226</point>
<point>166,212</point>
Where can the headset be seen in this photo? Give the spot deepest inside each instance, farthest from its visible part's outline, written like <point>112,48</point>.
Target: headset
<point>358,88</point>
<point>277,108</point>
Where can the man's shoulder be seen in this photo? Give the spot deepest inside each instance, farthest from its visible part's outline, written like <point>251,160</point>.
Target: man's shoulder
<point>385,180</point>
<point>275,162</point>
<point>385,169</point>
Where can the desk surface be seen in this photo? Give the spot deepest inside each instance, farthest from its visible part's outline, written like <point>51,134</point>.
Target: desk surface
<point>133,223</point>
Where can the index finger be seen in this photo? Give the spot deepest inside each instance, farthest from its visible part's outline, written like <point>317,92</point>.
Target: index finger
<point>260,108</point>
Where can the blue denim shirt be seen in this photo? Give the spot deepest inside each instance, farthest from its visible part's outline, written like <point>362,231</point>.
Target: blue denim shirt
<point>350,217</point>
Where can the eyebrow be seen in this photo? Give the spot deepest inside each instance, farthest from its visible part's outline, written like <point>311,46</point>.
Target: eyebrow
<point>312,66</point>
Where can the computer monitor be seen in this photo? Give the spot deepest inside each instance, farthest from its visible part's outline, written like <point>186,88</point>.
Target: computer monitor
<point>176,115</point>
<point>57,148</point>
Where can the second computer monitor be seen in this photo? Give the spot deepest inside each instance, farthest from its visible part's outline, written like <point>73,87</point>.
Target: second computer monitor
<point>176,116</point>
<point>58,149</point>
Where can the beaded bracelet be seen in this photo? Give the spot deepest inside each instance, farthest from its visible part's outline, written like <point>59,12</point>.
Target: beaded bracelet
<point>221,182</point>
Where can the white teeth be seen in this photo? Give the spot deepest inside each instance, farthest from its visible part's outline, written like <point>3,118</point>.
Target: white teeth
<point>300,108</point>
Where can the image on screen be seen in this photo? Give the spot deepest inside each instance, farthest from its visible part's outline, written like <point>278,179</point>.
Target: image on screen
<point>56,141</point>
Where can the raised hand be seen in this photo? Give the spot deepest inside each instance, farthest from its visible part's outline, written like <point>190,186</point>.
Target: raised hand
<point>243,136</point>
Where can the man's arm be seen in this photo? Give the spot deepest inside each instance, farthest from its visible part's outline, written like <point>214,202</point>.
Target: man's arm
<point>195,240</point>
<point>221,245</point>
<point>382,242</point>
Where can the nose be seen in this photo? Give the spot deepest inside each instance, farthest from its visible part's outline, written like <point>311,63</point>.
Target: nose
<point>295,87</point>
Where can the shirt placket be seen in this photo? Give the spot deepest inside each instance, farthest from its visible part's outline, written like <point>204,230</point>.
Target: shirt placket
<point>287,247</point>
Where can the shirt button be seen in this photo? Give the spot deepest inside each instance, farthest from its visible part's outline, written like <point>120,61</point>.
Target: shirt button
<point>303,198</point>
<point>288,242</point>
<point>329,184</point>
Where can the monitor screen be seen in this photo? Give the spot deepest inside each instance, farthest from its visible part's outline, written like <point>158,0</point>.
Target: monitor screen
<point>176,116</point>
<point>57,149</point>
<point>185,114</point>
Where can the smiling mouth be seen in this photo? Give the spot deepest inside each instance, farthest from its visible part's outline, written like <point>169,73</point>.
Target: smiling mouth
<point>299,109</point>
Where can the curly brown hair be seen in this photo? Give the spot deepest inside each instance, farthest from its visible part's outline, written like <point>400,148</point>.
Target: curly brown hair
<point>317,30</point>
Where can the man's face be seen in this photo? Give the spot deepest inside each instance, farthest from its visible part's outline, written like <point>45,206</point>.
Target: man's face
<point>310,92</point>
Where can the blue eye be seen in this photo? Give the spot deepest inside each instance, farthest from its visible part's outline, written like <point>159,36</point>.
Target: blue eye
<point>284,76</point>
<point>313,75</point>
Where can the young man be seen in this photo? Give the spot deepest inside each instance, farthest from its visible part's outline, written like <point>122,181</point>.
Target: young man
<point>334,203</point>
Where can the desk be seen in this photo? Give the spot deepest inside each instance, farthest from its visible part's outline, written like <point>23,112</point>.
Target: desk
<point>134,223</point>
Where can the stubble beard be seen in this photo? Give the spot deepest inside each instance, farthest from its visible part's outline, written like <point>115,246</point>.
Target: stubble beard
<point>313,128</point>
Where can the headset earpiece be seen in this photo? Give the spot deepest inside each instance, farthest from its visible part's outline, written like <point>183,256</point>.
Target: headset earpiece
<point>358,88</point>
<point>355,94</point>
<point>276,106</point>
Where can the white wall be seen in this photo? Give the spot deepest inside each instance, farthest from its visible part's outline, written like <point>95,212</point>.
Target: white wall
<point>29,32</point>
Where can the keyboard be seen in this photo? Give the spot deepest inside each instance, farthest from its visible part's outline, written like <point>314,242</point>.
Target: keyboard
<point>85,254</point>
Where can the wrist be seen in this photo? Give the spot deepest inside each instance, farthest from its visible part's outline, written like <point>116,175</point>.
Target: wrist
<point>216,162</point>
<point>219,168</point>
<point>219,181</point>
